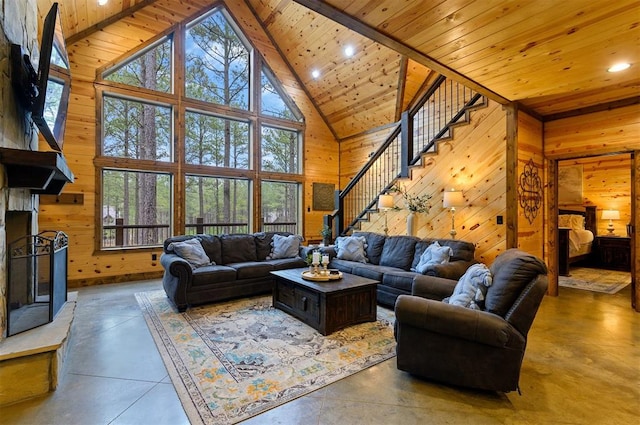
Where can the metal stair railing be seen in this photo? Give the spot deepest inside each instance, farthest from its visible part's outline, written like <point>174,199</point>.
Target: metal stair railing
<point>441,108</point>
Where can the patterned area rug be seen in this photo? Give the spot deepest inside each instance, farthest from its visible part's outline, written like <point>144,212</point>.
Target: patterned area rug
<point>596,280</point>
<point>233,360</point>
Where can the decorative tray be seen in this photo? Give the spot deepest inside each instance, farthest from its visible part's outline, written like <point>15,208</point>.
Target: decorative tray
<point>333,275</point>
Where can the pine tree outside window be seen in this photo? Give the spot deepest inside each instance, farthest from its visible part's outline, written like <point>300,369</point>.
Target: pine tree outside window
<point>202,148</point>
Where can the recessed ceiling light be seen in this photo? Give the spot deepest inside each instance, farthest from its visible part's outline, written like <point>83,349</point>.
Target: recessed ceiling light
<point>349,51</point>
<point>102,2</point>
<point>315,73</point>
<point>619,67</point>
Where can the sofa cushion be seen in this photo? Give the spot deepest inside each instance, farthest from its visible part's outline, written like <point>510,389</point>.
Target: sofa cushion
<point>369,271</point>
<point>211,245</point>
<point>471,288</point>
<point>284,246</point>
<point>512,271</point>
<point>375,243</point>
<point>398,252</point>
<point>345,266</point>
<point>263,243</point>
<point>251,269</point>
<point>433,254</point>
<point>399,279</point>
<point>238,248</point>
<point>461,250</point>
<point>209,275</point>
<point>192,251</point>
<point>286,263</point>
<point>351,248</point>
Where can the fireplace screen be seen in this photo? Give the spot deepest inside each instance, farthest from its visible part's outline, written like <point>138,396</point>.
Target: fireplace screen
<point>37,278</point>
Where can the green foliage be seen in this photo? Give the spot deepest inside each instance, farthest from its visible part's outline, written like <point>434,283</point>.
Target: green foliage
<point>414,203</point>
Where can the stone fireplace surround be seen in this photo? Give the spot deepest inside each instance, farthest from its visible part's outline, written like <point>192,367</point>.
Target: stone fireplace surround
<point>29,362</point>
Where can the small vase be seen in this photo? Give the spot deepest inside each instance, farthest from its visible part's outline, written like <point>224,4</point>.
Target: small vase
<point>410,222</point>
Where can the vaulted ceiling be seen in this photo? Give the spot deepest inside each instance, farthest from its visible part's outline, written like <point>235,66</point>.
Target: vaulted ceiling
<point>550,56</point>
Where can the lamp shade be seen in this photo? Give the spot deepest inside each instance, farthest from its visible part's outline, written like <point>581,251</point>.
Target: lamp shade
<point>611,215</point>
<point>452,199</point>
<point>385,202</point>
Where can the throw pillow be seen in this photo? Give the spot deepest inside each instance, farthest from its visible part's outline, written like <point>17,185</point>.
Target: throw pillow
<point>472,287</point>
<point>434,254</point>
<point>284,246</point>
<point>192,251</point>
<point>351,248</point>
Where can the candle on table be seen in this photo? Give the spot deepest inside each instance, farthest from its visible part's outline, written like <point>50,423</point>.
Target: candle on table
<point>325,259</point>
<point>316,257</point>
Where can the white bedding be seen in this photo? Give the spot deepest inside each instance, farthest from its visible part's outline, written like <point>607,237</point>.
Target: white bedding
<point>580,241</point>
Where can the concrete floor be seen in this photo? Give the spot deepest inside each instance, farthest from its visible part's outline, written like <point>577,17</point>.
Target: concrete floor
<point>582,366</point>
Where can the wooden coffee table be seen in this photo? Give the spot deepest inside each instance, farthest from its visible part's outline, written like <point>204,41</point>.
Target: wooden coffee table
<point>325,306</point>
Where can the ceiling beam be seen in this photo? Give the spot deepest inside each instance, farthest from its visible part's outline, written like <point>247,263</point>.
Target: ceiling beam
<point>374,34</point>
<point>106,22</point>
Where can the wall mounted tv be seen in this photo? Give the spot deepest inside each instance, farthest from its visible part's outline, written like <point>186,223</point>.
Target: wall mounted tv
<point>45,94</point>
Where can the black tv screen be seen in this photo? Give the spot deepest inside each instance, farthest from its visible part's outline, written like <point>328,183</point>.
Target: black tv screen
<point>49,111</point>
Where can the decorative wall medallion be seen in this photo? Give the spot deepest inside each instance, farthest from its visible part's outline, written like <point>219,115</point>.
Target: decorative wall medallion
<point>323,196</point>
<point>530,191</point>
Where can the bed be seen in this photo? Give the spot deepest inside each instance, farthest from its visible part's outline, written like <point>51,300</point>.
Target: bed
<point>576,233</point>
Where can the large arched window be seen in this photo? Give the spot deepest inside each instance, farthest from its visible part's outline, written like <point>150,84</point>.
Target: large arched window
<point>215,154</point>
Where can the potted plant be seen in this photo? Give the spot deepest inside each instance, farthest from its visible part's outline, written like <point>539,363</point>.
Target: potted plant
<point>414,203</point>
<point>326,233</point>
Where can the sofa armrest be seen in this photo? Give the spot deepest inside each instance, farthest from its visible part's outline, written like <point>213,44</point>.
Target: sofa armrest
<point>451,270</point>
<point>456,322</point>
<point>432,287</point>
<point>177,266</point>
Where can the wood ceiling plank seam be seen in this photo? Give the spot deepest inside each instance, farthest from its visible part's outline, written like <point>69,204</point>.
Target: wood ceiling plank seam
<point>269,19</point>
<point>294,19</point>
<point>368,111</point>
<point>603,38</point>
<point>523,38</point>
<point>91,28</point>
<point>393,11</point>
<point>402,48</point>
<point>485,40</point>
<point>443,38</point>
<point>438,20</point>
<point>588,105</point>
<point>299,86</point>
<point>335,83</point>
<point>362,104</point>
<point>602,48</point>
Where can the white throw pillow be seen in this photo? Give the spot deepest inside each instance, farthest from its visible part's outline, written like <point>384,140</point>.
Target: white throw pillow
<point>284,246</point>
<point>434,254</point>
<point>351,248</point>
<point>192,251</point>
<point>471,288</point>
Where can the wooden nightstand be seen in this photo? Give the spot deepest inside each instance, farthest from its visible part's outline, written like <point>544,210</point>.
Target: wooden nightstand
<point>613,252</point>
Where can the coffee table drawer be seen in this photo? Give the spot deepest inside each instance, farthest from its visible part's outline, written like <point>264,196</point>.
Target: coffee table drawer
<point>305,304</point>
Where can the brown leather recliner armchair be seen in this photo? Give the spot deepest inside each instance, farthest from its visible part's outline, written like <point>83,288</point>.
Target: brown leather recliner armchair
<point>480,349</point>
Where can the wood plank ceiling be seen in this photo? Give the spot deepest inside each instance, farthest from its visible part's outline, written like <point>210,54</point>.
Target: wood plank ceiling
<point>550,56</point>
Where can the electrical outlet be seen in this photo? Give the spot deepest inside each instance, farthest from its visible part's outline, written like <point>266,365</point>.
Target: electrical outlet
<point>499,219</point>
<point>154,257</point>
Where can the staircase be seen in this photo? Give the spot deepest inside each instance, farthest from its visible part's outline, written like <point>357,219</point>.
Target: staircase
<point>446,105</point>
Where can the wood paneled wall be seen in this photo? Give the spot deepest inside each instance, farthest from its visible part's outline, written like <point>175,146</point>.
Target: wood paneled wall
<point>474,162</point>
<point>530,176</point>
<point>87,56</point>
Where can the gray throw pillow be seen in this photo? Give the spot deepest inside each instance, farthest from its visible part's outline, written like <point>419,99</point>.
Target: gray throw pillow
<point>284,246</point>
<point>351,248</point>
<point>434,254</point>
<point>192,251</point>
<point>472,287</point>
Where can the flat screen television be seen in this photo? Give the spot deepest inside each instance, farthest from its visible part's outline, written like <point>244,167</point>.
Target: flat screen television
<point>49,111</point>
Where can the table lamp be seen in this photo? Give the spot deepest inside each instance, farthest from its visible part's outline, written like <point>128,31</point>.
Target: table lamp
<point>610,215</point>
<point>452,199</point>
<point>385,203</point>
